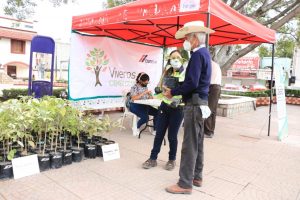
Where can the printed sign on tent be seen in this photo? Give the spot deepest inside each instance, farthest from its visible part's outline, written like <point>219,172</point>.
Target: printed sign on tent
<point>189,5</point>
<point>106,68</point>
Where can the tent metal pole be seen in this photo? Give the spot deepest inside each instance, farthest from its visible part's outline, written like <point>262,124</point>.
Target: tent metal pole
<point>208,25</point>
<point>164,48</point>
<point>271,84</point>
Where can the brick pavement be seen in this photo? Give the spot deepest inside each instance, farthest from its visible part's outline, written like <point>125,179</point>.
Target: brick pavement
<point>241,163</point>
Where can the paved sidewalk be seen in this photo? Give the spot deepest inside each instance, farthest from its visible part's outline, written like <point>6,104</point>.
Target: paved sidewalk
<point>241,163</point>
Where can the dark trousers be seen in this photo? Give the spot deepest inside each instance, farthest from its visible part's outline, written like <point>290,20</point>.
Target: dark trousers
<point>213,98</point>
<point>143,112</point>
<point>191,164</point>
<point>167,118</point>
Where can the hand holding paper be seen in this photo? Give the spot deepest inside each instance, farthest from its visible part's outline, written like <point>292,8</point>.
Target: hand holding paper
<point>205,111</point>
<point>167,92</point>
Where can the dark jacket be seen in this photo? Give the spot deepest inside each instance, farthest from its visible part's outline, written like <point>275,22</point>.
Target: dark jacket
<point>197,76</point>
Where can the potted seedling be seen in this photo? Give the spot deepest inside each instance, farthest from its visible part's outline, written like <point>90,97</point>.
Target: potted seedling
<point>104,125</point>
<point>60,122</point>
<point>23,117</point>
<point>43,119</point>
<point>6,138</point>
<point>73,124</point>
<point>53,128</point>
<point>90,127</point>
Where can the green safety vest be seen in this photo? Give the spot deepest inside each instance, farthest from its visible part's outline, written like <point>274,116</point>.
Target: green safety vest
<point>160,96</point>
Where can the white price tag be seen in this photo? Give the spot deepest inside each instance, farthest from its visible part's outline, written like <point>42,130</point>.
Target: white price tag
<point>25,166</point>
<point>111,152</point>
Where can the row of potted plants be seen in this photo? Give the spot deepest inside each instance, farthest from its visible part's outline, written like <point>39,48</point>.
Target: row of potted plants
<point>50,127</point>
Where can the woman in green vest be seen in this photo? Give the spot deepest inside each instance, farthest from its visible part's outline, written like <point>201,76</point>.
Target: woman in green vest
<point>170,114</point>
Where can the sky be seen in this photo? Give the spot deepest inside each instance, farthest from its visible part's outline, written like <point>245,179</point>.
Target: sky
<point>56,21</point>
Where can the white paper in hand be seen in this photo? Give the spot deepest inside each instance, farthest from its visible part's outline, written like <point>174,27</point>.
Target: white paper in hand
<point>205,111</point>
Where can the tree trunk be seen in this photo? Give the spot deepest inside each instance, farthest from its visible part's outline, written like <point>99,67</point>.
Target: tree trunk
<point>97,73</point>
<point>56,141</point>
<point>40,138</point>
<point>45,138</point>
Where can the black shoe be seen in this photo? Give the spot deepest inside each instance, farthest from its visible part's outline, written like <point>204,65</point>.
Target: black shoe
<point>208,135</point>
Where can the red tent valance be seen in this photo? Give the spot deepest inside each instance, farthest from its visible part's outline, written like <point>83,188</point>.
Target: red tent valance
<point>156,22</point>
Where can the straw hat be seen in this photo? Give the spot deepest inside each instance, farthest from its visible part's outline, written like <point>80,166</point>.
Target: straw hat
<point>192,27</point>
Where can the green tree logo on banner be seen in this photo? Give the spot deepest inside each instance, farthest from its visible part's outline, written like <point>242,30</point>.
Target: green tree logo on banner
<point>95,61</point>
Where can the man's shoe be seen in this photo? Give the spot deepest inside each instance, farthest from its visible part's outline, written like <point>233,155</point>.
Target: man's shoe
<point>176,189</point>
<point>209,135</point>
<point>149,164</point>
<point>197,183</point>
<point>170,165</point>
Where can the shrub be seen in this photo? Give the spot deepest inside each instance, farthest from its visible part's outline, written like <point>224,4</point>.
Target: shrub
<point>265,93</point>
<point>16,93</point>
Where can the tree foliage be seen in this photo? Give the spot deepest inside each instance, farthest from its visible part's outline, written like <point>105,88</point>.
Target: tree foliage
<point>23,9</point>
<point>114,3</point>
<point>264,51</point>
<point>20,9</point>
<point>285,47</point>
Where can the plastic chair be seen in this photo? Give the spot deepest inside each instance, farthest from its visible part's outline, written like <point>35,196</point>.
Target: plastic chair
<point>128,113</point>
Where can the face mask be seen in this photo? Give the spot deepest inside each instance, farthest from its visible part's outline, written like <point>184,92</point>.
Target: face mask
<point>187,45</point>
<point>175,63</point>
<point>144,85</point>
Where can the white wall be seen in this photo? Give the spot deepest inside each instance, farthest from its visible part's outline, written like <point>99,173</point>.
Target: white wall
<point>6,56</point>
<point>296,66</point>
<point>62,53</point>
<point>62,60</point>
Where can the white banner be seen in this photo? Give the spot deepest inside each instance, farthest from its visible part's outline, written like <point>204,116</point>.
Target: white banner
<point>107,68</point>
<point>281,103</point>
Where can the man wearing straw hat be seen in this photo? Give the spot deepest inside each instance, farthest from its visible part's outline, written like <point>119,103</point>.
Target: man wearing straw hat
<point>194,91</point>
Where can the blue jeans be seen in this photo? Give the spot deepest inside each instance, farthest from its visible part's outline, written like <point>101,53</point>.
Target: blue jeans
<point>167,118</point>
<point>143,112</point>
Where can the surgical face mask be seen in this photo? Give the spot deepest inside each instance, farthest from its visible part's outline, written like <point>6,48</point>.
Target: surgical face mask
<point>143,84</point>
<point>175,63</point>
<point>187,45</point>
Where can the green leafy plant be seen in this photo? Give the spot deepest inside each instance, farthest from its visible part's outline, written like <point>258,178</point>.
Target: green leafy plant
<point>73,122</point>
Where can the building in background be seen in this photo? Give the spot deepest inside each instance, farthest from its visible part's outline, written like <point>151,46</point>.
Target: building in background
<point>251,71</point>
<point>62,59</point>
<point>15,41</point>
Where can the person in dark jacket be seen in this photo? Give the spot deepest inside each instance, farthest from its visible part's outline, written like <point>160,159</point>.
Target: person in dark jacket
<point>194,91</point>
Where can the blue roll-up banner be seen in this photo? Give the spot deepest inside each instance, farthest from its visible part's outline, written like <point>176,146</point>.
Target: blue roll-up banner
<point>41,66</point>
